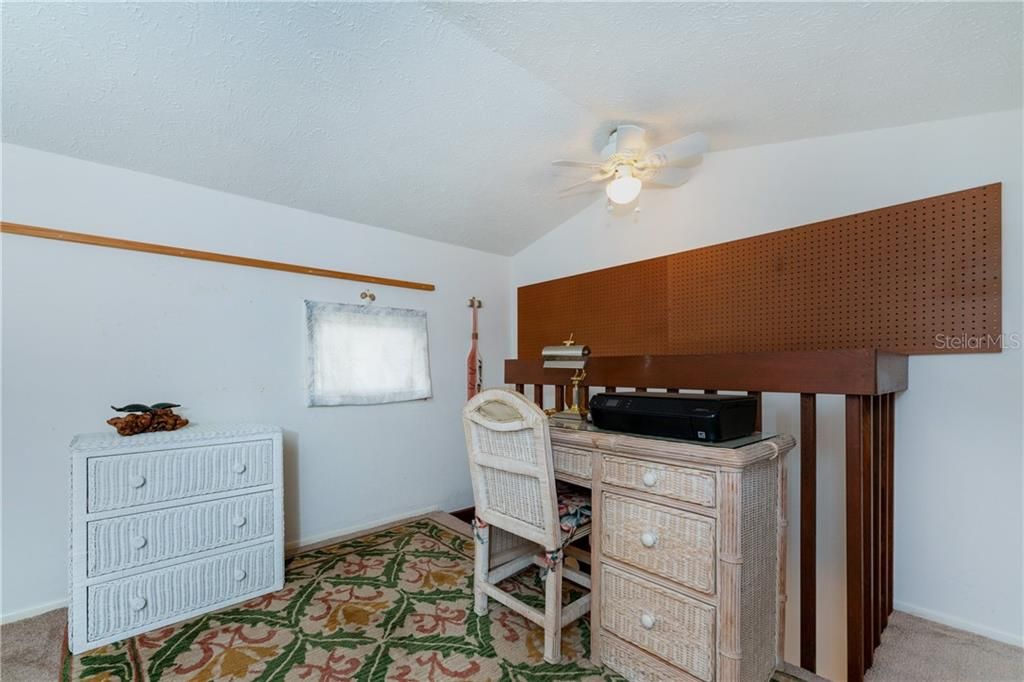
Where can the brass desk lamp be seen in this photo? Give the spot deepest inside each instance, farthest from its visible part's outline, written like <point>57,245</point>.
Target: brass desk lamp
<point>569,356</point>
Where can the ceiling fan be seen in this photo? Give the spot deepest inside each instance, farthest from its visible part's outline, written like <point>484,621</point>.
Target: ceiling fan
<point>627,165</point>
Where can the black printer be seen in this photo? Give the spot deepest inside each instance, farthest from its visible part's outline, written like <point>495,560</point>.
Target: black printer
<point>688,416</point>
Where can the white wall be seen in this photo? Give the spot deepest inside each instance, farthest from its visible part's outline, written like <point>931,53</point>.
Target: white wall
<point>958,434</point>
<point>86,327</point>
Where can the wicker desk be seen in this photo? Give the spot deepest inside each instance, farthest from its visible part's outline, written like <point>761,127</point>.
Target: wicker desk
<point>687,546</point>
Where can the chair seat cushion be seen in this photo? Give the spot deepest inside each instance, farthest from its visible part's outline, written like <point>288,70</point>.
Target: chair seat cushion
<point>574,512</point>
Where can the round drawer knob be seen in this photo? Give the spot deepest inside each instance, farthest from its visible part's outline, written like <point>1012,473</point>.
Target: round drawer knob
<point>238,521</point>
<point>137,481</point>
<point>138,603</point>
<point>648,621</point>
<point>649,539</point>
<point>138,542</point>
<point>239,467</point>
<point>650,478</point>
<point>240,574</point>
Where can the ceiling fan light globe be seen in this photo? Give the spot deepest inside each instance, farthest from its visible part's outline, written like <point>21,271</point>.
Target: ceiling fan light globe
<point>623,190</point>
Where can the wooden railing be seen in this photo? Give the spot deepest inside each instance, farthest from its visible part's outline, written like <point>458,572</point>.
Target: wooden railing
<point>869,379</point>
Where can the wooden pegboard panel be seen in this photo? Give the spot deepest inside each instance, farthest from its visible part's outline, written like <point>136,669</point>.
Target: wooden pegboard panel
<point>921,277</point>
<point>600,308</point>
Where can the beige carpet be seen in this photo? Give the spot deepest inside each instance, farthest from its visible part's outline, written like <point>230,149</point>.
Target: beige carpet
<point>917,649</point>
<point>30,650</point>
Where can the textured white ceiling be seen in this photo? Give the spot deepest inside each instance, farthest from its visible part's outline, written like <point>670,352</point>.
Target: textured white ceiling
<point>755,73</point>
<point>440,120</point>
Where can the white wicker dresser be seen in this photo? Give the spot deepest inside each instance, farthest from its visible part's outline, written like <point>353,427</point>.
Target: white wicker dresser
<point>166,526</point>
<point>686,546</point>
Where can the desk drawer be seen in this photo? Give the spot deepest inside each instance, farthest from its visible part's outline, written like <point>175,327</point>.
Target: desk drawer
<point>132,603</point>
<point>636,665</point>
<point>679,483</point>
<point>124,542</point>
<point>669,625</point>
<point>122,481</point>
<point>675,544</point>
<point>572,462</point>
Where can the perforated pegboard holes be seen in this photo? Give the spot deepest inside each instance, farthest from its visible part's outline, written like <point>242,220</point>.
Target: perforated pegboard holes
<point>921,277</point>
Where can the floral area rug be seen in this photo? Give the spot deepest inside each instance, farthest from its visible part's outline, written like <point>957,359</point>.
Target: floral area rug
<point>394,606</point>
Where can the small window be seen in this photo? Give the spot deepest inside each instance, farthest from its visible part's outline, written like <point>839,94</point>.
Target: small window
<point>362,355</point>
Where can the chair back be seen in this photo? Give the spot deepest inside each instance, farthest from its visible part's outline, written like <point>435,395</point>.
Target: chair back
<point>511,465</point>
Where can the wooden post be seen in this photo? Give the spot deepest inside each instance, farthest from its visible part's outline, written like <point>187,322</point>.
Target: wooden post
<point>890,430</point>
<point>520,388</point>
<point>867,524</point>
<point>559,398</point>
<point>808,531</point>
<point>538,395</point>
<point>757,417</point>
<point>854,539</point>
<point>877,515</point>
<point>885,454</point>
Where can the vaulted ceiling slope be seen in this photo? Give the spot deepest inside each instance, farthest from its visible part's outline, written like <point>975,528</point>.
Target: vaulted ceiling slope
<point>441,120</point>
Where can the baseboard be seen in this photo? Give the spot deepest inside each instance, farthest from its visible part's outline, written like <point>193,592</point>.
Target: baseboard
<point>959,623</point>
<point>352,531</point>
<point>33,611</point>
<point>290,547</point>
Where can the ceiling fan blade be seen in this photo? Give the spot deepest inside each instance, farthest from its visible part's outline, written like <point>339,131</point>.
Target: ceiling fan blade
<point>580,191</point>
<point>683,148</point>
<point>577,164</point>
<point>596,177</point>
<point>574,186</point>
<point>667,176</point>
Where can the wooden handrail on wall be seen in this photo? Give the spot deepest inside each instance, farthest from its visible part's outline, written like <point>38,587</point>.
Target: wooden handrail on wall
<point>146,247</point>
<point>869,379</point>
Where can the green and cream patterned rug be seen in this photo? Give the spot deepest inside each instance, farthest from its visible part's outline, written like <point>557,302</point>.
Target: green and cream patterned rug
<point>394,606</point>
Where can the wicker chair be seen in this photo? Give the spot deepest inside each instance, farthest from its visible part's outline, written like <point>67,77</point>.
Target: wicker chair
<point>514,488</point>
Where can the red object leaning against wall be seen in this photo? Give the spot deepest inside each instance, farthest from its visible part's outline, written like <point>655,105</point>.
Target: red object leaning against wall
<point>474,363</point>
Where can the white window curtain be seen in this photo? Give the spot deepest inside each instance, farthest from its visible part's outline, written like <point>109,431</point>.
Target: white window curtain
<point>363,355</point>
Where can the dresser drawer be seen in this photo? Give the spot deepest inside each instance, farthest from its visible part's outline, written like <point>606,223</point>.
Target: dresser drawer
<point>572,462</point>
<point>134,540</point>
<point>636,665</point>
<point>679,483</point>
<point>669,625</point>
<point>675,544</point>
<point>132,603</point>
<point>121,481</point>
